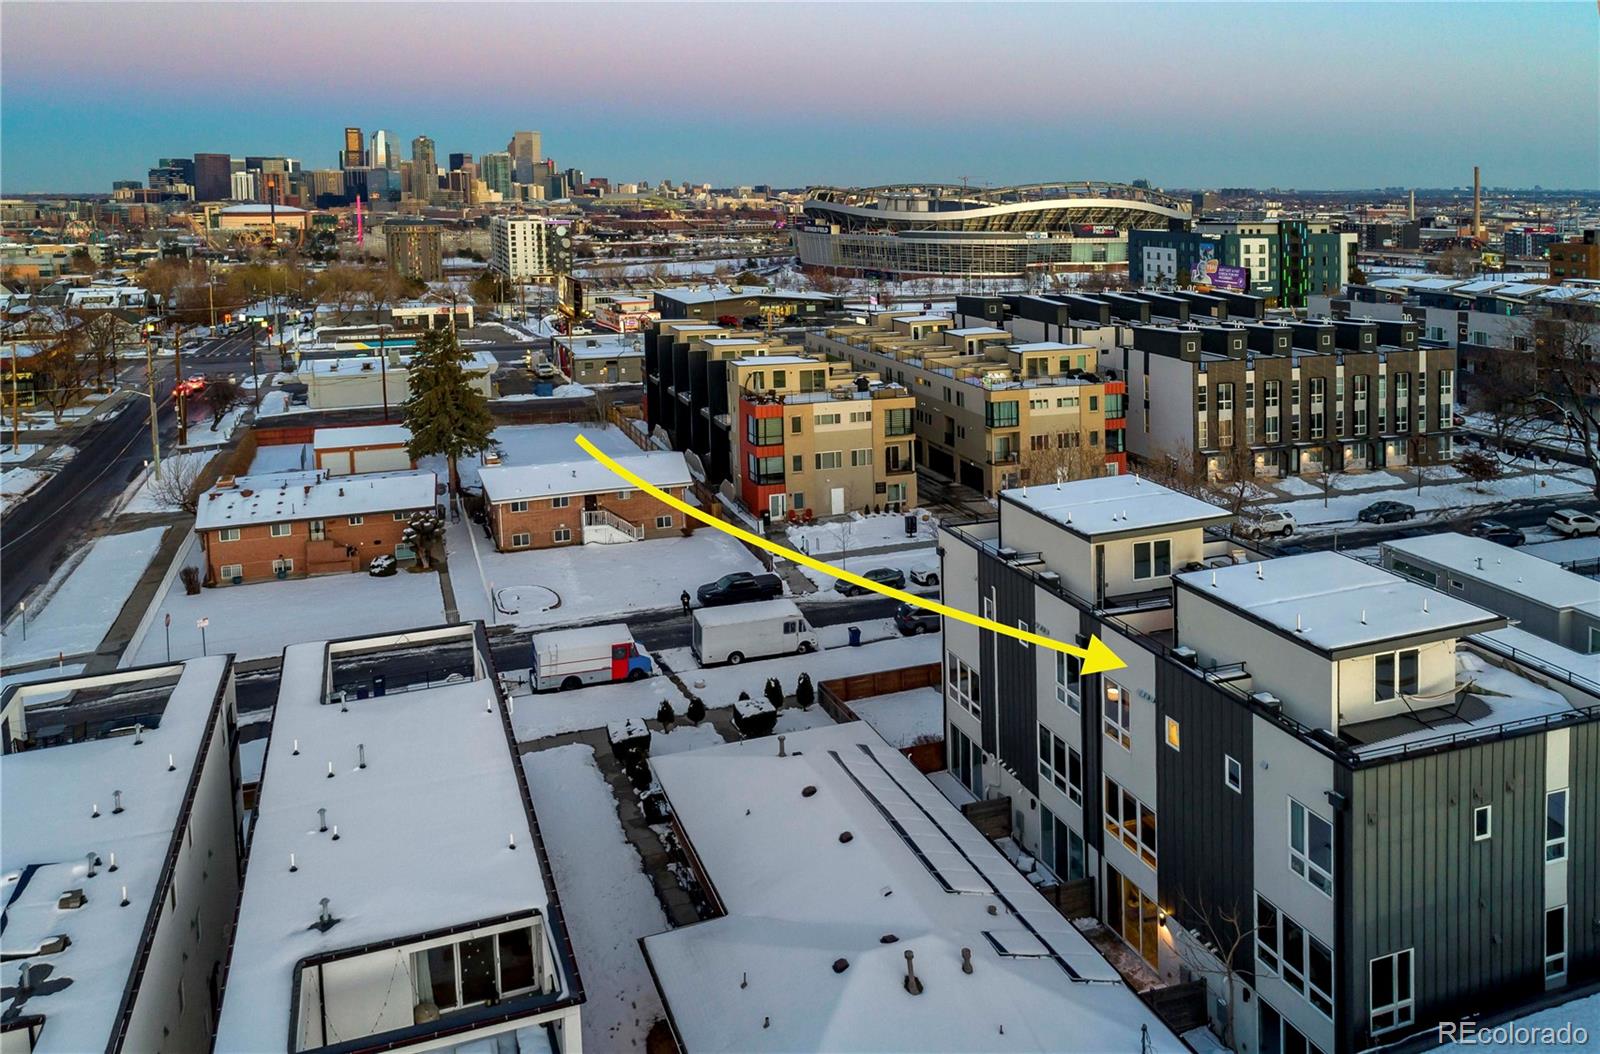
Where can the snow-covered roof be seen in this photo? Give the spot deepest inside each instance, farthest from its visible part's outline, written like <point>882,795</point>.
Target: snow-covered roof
<point>49,831</point>
<point>1104,505</point>
<point>603,346</point>
<point>738,614</point>
<point>977,331</point>
<point>261,210</point>
<point>922,318</point>
<point>660,468</point>
<point>811,954</point>
<point>1051,345</point>
<point>1338,605</point>
<point>1497,565</point>
<point>312,496</point>
<point>360,435</point>
<point>685,295</point>
<point>425,831</point>
<point>777,360</point>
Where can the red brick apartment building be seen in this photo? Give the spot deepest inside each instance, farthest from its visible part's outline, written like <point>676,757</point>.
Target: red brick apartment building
<point>253,528</point>
<point>569,503</point>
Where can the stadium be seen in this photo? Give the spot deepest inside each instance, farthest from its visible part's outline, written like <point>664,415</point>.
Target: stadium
<point>939,229</point>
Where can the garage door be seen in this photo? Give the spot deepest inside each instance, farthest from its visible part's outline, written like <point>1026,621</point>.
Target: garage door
<point>381,460</point>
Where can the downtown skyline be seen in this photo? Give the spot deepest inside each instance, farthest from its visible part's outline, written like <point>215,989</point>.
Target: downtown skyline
<point>1324,96</point>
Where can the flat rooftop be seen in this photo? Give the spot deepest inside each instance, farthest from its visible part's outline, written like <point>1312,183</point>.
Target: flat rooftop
<point>1338,605</point>
<point>1112,505</point>
<point>48,830</point>
<point>312,496</point>
<point>913,877</point>
<point>1497,565</point>
<point>660,468</point>
<point>424,829</point>
<point>360,435</point>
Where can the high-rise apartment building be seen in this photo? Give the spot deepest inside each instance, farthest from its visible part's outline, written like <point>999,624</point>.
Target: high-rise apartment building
<point>1578,258</point>
<point>354,154</point>
<point>495,169</point>
<point>415,248</point>
<point>520,247</point>
<point>424,169</point>
<point>526,151</point>
<point>385,152</point>
<point>212,173</point>
<point>242,186</point>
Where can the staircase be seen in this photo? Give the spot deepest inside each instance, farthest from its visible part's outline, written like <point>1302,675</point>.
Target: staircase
<point>601,527</point>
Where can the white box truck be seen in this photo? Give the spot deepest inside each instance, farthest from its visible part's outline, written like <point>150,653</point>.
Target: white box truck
<point>745,631</point>
<point>572,658</point>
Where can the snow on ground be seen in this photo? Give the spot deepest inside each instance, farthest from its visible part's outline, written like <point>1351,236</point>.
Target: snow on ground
<point>201,434</point>
<point>1446,497</point>
<point>1580,1014</point>
<point>543,714</point>
<point>256,621</point>
<point>684,738</point>
<point>794,719</point>
<point>607,899</point>
<point>861,532</point>
<point>82,598</point>
<point>925,558</point>
<point>721,685</point>
<point>48,673</point>
<point>903,718</point>
<point>285,457</point>
<point>561,391</point>
<point>592,581</point>
<point>274,403</point>
<point>145,498</point>
<point>539,445</point>
<point>1564,550</point>
<point>21,452</point>
<point>17,483</point>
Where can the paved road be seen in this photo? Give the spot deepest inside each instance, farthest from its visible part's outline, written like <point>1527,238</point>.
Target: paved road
<point>1525,514</point>
<point>45,528</point>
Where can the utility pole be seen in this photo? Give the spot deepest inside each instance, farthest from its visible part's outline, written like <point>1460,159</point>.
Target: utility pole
<point>150,391</point>
<point>255,373</point>
<point>16,402</point>
<point>183,396</point>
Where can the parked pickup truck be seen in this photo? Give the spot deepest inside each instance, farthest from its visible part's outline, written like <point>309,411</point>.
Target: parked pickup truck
<point>572,658</point>
<point>740,586</point>
<point>746,631</point>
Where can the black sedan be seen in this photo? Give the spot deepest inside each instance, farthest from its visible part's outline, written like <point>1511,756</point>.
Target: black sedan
<point>1500,533</point>
<point>888,576</point>
<point>1387,512</point>
<point>910,620</point>
<point>739,587</point>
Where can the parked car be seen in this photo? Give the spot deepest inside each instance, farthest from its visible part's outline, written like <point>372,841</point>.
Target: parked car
<point>383,565</point>
<point>911,620</point>
<point>926,579</point>
<point>544,371</point>
<point>740,586</point>
<point>771,627</point>
<point>1387,512</point>
<point>1263,524</point>
<point>1573,524</point>
<point>1499,533</point>
<point>892,577</point>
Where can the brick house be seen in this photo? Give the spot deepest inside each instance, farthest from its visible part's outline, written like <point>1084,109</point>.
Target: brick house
<point>305,523</point>
<point>362,448</point>
<point>569,503</point>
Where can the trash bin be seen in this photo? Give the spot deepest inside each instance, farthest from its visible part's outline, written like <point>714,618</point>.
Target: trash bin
<point>855,636</point>
<point>911,525</point>
<point>379,684</point>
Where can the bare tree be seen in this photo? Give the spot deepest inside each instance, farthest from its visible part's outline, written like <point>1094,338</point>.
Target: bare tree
<point>825,281</point>
<point>1458,262</point>
<point>1477,467</point>
<point>62,365</point>
<point>1548,394</point>
<point>1328,470</point>
<point>221,395</point>
<point>1065,459</point>
<point>1217,942</point>
<point>179,482</point>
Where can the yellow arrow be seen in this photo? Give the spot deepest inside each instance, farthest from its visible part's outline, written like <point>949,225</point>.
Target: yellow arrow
<point>1097,657</point>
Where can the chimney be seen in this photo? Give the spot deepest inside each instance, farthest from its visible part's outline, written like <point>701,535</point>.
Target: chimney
<point>1477,203</point>
<point>1411,208</point>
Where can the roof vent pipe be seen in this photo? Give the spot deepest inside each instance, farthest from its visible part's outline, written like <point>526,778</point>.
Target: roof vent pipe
<point>361,755</point>
<point>913,985</point>
<point>322,820</point>
<point>116,802</point>
<point>966,960</point>
<point>780,747</point>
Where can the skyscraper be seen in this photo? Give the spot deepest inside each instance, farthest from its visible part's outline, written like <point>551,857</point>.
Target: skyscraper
<point>459,161</point>
<point>526,151</point>
<point>355,154</point>
<point>496,171</point>
<point>385,151</point>
<point>424,169</point>
<point>213,174</point>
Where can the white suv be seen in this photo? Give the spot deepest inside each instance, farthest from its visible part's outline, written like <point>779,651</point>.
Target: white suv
<point>1573,523</point>
<point>1269,522</point>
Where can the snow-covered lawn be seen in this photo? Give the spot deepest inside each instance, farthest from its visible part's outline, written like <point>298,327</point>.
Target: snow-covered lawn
<point>721,685</point>
<point>21,452</point>
<point>284,457</point>
<point>1562,550</point>
<point>539,445</point>
<point>17,483</point>
<point>607,899</point>
<point>560,391</point>
<point>592,581</point>
<point>1449,498</point>
<point>543,714</point>
<point>903,718</point>
<point>861,532</point>
<point>201,434</point>
<point>145,498</point>
<point>256,621</point>
<point>82,598</point>
<point>907,561</point>
<point>1580,1014</point>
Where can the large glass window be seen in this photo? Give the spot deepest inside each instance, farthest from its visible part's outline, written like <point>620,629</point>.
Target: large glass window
<point>1389,999</point>
<point>1555,942</point>
<point>1067,688</point>
<point>1555,826</point>
<point>477,970</point>
<point>1001,415</point>
<point>1118,714</point>
<point>1285,948</point>
<point>1152,559</point>
<point>897,422</point>
<point>1060,765</point>
<point>1394,674</point>
<point>1130,820</point>
<point>764,431</point>
<point>1311,847</point>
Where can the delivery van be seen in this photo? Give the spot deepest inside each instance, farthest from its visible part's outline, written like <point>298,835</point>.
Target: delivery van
<point>746,631</point>
<point>572,658</point>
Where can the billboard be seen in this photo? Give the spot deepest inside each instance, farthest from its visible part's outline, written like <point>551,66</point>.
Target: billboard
<point>1233,279</point>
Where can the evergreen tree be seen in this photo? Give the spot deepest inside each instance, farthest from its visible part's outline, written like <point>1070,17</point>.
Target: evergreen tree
<point>774,693</point>
<point>805,693</point>
<point>446,414</point>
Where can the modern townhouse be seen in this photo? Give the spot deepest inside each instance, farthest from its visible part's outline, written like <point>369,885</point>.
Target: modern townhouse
<point>991,411</point>
<point>1314,785</point>
<point>382,911</point>
<point>121,854</point>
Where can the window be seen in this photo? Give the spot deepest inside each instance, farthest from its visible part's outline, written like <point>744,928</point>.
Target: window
<point>1152,559</point>
<point>522,540</point>
<point>1060,765</point>
<point>229,572</point>
<point>282,566</point>
<point>1067,688</point>
<point>1022,625</point>
<point>1279,1036</point>
<point>1131,820</point>
<point>1172,734</point>
<point>1001,415</point>
<point>560,503</point>
<point>1389,999</point>
<point>519,506</point>
<point>830,459</point>
<point>1394,673</point>
<point>764,431</point>
<point>1224,398</point>
<point>281,530</point>
<point>962,681</point>
<point>1311,847</point>
<point>562,534</point>
<point>1233,773</point>
<point>400,517</point>
<point>896,422</point>
<point>663,521</point>
<point>356,521</point>
<point>861,457</point>
<point>1200,399</point>
<point>1482,823</point>
<point>1285,948</point>
<point>1555,943</point>
<point>1118,716</point>
<point>477,970</point>
<point>1555,826</point>
<point>228,534</point>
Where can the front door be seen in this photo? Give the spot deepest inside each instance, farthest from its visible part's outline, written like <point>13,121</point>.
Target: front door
<point>778,505</point>
<point>836,501</point>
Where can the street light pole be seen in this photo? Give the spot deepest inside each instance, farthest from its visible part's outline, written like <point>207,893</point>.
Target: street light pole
<point>150,391</point>
<point>383,370</point>
<point>183,396</point>
<point>255,375</point>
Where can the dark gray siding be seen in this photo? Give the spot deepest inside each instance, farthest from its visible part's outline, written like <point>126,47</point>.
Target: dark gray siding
<point>1094,745</point>
<point>1583,866</point>
<point>1205,831</point>
<point>1473,911</point>
<point>1009,705</point>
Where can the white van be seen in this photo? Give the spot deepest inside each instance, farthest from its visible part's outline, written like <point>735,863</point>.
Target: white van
<point>738,632</point>
<point>572,658</point>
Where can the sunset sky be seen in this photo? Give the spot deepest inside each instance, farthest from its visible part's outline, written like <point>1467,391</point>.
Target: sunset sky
<point>1286,94</point>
